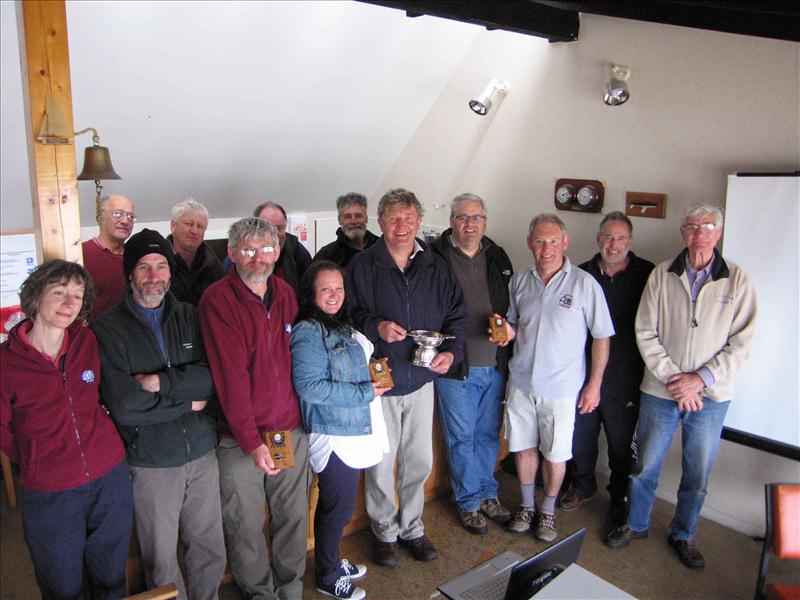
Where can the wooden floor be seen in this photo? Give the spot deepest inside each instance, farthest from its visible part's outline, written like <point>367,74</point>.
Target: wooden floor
<point>647,569</point>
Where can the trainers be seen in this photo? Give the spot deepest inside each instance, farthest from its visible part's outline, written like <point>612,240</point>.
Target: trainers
<point>385,553</point>
<point>495,511</point>
<point>473,521</point>
<point>521,523</point>
<point>572,499</point>
<point>354,572</point>
<point>421,548</point>
<point>546,528</point>
<point>621,537</point>
<point>688,553</point>
<point>342,589</point>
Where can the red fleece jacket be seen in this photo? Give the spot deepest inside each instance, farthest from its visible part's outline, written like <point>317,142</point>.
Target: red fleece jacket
<point>51,421</point>
<point>248,351</point>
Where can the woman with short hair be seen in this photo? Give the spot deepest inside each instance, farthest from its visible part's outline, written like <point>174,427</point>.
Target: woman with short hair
<point>76,502</point>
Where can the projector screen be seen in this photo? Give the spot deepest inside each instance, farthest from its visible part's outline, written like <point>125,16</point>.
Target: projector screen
<point>762,229</point>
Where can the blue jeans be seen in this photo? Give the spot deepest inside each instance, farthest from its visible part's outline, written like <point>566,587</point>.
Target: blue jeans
<point>700,433</point>
<point>471,412</point>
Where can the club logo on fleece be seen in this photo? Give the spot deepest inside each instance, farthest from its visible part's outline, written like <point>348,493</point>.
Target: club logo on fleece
<point>87,376</point>
<point>565,301</point>
<point>288,328</point>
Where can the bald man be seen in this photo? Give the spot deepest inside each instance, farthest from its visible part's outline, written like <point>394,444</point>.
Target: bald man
<point>102,255</point>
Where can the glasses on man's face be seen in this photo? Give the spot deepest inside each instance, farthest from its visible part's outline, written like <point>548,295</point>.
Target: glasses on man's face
<point>463,219</point>
<point>119,215</point>
<point>250,252</point>
<point>694,227</point>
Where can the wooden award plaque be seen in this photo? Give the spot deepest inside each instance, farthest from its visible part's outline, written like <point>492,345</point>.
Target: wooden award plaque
<point>279,444</point>
<point>498,327</point>
<point>380,374</point>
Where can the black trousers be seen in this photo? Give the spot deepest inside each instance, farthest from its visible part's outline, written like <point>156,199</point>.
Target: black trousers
<point>617,414</point>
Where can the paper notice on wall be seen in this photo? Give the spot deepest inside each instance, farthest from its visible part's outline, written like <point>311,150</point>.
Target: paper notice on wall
<point>17,260</point>
<point>298,225</point>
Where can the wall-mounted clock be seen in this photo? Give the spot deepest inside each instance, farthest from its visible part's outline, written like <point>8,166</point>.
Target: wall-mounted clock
<point>582,195</point>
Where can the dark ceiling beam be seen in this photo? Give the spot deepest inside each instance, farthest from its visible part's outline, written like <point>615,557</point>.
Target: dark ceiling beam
<point>776,20</point>
<point>519,16</point>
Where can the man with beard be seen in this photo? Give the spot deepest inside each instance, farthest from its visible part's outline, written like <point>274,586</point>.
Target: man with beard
<point>102,255</point>
<point>247,320</point>
<point>352,236</point>
<point>157,386</point>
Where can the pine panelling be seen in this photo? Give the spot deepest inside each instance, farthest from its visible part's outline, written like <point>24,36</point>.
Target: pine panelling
<point>56,212</point>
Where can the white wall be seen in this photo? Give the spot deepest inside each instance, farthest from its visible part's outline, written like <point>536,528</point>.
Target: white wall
<point>702,105</point>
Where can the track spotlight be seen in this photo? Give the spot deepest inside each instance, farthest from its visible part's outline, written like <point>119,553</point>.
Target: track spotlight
<point>482,103</point>
<point>616,90</point>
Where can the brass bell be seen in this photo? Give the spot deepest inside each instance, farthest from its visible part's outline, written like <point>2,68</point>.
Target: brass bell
<point>97,164</point>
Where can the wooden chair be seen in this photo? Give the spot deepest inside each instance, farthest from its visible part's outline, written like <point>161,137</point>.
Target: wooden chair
<point>782,538</point>
<point>161,593</point>
<point>8,478</point>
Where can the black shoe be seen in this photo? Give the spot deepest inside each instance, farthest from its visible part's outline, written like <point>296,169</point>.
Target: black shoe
<point>385,553</point>
<point>621,537</point>
<point>688,553</point>
<point>421,548</point>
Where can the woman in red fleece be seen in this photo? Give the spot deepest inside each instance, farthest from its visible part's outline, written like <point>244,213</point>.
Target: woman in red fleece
<point>76,498</point>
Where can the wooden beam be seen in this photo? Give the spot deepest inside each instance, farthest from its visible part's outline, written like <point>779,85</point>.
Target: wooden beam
<point>54,189</point>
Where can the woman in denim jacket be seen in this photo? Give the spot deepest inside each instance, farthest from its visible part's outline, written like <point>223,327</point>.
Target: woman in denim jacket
<point>342,413</point>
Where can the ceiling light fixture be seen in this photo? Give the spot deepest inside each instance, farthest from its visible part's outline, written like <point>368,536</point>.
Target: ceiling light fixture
<point>616,91</point>
<point>482,103</point>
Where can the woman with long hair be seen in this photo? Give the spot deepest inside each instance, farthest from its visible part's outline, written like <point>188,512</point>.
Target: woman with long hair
<point>342,413</point>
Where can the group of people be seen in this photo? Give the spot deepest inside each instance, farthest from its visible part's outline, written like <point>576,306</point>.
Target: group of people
<point>205,389</point>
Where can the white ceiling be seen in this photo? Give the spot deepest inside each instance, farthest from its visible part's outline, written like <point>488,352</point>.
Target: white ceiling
<point>235,103</point>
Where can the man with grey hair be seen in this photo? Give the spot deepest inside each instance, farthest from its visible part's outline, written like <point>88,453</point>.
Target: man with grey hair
<point>102,255</point>
<point>394,287</point>
<point>552,305</point>
<point>196,265</point>
<point>622,276</point>
<point>695,328</point>
<point>352,236</point>
<point>471,393</point>
<point>246,318</point>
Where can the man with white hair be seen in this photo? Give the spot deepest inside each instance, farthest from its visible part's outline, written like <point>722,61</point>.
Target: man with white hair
<point>102,255</point>
<point>352,236</point>
<point>694,328</point>
<point>196,265</point>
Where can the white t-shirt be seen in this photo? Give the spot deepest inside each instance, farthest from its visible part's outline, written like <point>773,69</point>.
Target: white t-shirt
<point>356,451</point>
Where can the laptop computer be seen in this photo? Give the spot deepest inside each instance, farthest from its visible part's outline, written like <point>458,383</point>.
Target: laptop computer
<point>508,577</point>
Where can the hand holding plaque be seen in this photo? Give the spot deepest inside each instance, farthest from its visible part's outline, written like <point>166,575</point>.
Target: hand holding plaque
<point>280,448</point>
<point>380,373</point>
<point>497,329</point>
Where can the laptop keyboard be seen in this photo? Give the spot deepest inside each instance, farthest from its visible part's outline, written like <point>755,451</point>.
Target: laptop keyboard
<point>491,589</point>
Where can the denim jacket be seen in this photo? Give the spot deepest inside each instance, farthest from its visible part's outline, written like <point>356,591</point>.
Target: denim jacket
<point>332,380</point>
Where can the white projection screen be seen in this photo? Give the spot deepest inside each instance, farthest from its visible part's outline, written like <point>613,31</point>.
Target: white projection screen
<point>762,229</point>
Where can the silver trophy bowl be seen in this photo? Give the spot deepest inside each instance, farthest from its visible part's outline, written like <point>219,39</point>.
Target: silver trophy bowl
<point>427,342</point>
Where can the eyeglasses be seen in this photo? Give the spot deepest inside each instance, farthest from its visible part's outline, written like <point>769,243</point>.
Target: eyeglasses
<point>470,218</point>
<point>694,227</point>
<point>119,215</point>
<point>251,252</point>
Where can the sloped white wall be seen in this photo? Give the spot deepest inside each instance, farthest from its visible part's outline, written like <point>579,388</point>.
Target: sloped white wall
<point>235,103</point>
<point>702,105</point>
